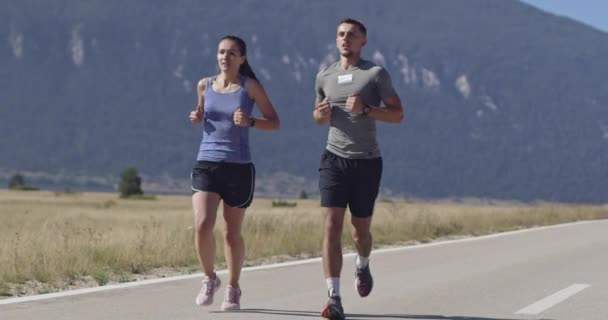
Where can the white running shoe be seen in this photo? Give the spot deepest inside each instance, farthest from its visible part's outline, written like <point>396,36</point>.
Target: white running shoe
<point>210,287</point>
<point>232,299</point>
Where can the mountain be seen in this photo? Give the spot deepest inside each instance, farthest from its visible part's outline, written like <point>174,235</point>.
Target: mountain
<point>502,100</point>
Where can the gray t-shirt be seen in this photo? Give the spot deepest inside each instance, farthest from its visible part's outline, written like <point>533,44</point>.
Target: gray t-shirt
<point>353,135</point>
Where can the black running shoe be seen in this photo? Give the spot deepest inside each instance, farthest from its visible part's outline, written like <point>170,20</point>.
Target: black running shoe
<point>364,281</point>
<point>333,309</point>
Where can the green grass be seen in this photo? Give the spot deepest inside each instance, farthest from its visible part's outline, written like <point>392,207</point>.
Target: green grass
<point>5,290</point>
<point>102,278</point>
<point>283,203</point>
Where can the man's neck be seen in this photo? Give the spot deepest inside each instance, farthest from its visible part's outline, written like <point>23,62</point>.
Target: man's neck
<point>348,62</point>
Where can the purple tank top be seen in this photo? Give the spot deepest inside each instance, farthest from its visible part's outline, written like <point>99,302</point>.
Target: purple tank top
<point>223,141</point>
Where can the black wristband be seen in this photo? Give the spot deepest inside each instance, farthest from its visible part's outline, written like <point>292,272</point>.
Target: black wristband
<point>366,110</point>
<point>252,122</point>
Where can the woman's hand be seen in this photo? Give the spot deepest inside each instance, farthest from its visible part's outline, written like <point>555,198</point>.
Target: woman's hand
<point>240,118</point>
<point>196,116</point>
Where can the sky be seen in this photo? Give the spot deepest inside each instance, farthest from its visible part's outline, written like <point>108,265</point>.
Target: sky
<point>590,12</point>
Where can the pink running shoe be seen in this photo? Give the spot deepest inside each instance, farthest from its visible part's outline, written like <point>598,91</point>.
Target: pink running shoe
<point>210,287</point>
<point>232,299</point>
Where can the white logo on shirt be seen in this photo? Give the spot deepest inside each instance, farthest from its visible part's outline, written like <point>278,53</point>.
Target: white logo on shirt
<point>346,78</point>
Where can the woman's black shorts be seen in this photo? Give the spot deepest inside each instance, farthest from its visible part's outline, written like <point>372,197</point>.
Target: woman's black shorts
<point>234,182</point>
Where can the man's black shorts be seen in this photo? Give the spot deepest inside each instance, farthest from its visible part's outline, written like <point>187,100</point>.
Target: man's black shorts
<point>352,182</point>
<point>234,182</point>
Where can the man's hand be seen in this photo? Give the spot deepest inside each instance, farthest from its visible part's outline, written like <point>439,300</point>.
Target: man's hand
<point>323,110</point>
<point>354,104</point>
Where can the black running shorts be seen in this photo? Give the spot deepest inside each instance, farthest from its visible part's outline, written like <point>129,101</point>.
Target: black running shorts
<point>349,182</point>
<point>234,182</point>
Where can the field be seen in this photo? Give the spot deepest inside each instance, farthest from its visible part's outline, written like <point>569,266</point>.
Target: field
<point>53,241</point>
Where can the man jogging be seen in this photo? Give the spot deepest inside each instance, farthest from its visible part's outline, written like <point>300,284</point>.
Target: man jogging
<point>349,95</point>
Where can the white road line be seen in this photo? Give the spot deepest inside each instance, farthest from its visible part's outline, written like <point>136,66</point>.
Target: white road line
<point>553,299</point>
<point>280,265</point>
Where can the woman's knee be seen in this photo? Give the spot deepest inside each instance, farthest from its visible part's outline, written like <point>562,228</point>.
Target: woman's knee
<point>232,237</point>
<point>204,223</point>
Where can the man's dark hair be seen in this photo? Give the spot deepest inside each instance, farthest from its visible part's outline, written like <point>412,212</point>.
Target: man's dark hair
<point>355,22</point>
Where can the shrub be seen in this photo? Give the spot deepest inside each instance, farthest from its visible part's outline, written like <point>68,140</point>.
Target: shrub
<point>130,183</point>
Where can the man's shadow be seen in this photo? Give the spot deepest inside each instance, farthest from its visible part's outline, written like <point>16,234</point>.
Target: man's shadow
<point>358,316</point>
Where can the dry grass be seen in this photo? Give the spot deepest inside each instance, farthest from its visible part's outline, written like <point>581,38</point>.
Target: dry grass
<point>47,237</point>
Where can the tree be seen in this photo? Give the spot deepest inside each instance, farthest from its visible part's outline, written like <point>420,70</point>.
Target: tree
<point>16,182</point>
<point>130,183</point>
